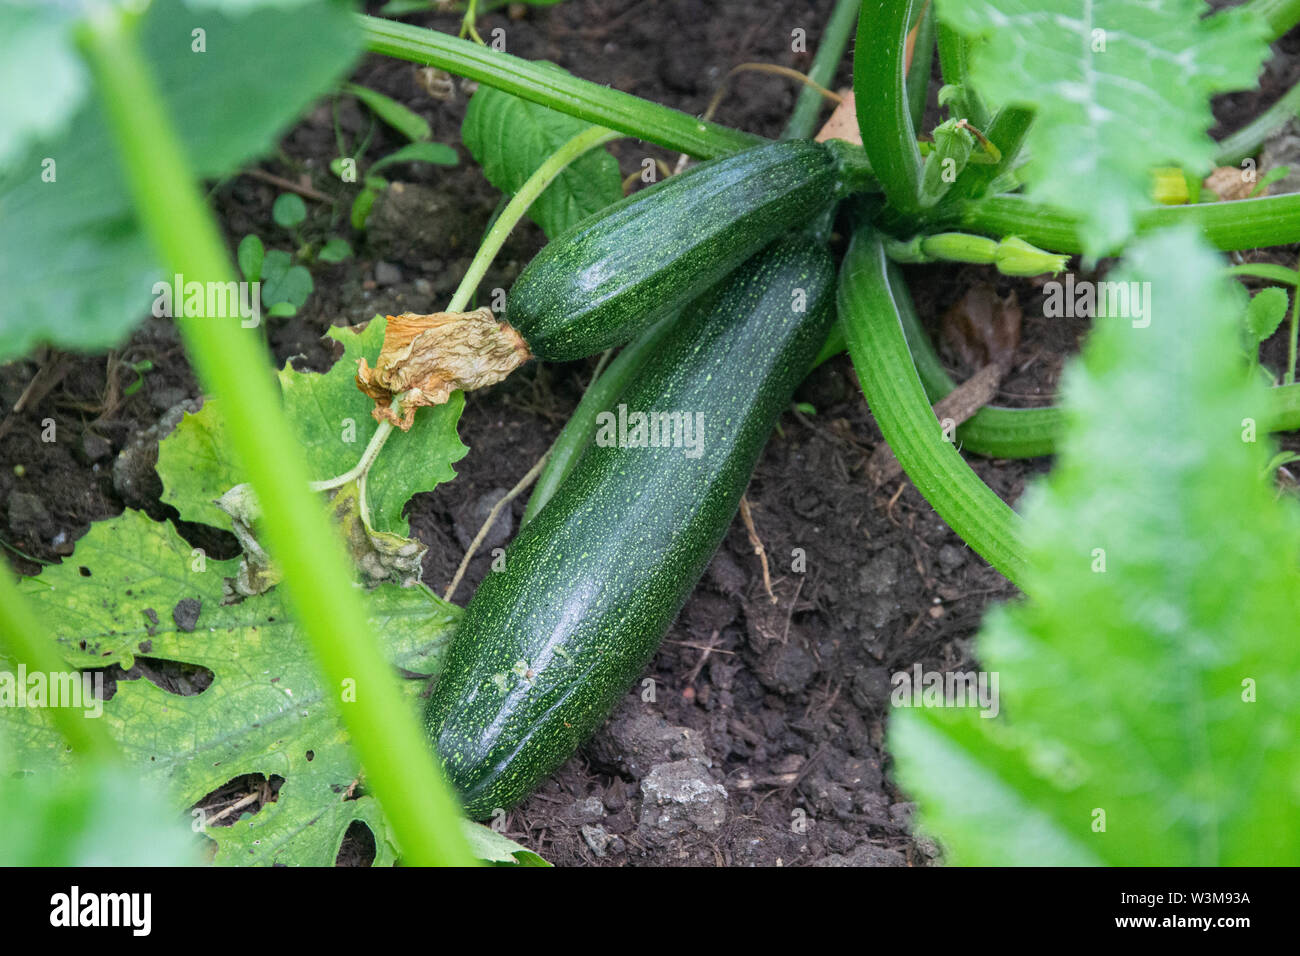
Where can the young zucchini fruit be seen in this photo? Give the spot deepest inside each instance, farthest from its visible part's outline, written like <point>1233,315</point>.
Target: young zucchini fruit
<point>611,275</point>
<point>590,586</point>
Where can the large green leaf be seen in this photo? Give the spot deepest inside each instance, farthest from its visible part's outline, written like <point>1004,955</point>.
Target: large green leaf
<point>76,270</point>
<point>1148,683</point>
<point>332,419</point>
<point>266,710</point>
<point>43,79</point>
<point>511,137</point>
<point>1118,88</point>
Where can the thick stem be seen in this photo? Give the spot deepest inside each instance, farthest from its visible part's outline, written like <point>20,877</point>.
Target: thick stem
<point>869,311</point>
<point>234,367</point>
<point>537,83</point>
<point>1247,140</point>
<point>880,86</point>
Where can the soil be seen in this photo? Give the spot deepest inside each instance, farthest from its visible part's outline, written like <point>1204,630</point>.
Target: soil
<point>763,741</point>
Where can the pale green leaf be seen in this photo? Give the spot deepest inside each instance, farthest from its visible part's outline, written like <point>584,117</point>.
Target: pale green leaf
<point>1149,712</point>
<point>1118,88</point>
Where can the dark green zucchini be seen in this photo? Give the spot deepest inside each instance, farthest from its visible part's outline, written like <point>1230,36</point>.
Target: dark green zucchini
<point>592,583</point>
<point>611,275</point>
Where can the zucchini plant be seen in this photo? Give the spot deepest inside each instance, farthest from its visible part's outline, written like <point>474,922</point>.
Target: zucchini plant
<point>723,278</point>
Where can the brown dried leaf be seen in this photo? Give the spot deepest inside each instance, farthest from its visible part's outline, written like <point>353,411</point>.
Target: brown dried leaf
<point>428,357</point>
<point>982,328</point>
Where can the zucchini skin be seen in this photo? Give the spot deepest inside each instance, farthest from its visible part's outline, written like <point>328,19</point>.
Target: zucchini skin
<point>590,586</point>
<point>614,273</point>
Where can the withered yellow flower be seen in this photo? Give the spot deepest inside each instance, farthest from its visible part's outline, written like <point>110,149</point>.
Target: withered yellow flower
<point>428,357</point>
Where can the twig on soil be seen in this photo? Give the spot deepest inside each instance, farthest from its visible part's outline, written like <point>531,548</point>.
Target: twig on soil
<point>53,368</point>
<point>957,406</point>
<point>510,496</point>
<point>287,184</point>
<point>759,550</point>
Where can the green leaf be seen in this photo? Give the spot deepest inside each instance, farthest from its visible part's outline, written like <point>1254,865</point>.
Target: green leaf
<point>361,207</point>
<point>1118,88</point>
<point>438,154</point>
<point>94,816</point>
<point>511,137</point>
<point>336,250</point>
<point>411,125</point>
<point>265,712</point>
<point>77,269</point>
<point>282,281</point>
<point>288,210</point>
<point>250,256</point>
<point>332,420</point>
<point>42,76</point>
<point>492,847</point>
<point>1265,313</point>
<point>1147,682</point>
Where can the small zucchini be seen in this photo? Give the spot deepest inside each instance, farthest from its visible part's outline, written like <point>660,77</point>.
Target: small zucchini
<point>590,586</point>
<point>611,275</point>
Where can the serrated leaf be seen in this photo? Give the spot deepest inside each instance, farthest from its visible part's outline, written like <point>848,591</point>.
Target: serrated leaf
<point>265,712</point>
<point>1265,313</point>
<point>511,137</point>
<point>332,420</point>
<point>1148,682</point>
<point>77,269</point>
<point>1118,88</point>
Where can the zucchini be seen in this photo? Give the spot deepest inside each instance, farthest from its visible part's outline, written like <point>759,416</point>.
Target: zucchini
<point>612,274</point>
<point>590,586</point>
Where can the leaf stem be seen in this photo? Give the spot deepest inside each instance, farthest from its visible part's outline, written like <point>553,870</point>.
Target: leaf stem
<point>880,87</point>
<point>869,310</point>
<point>835,39</point>
<point>396,756</point>
<point>630,115</point>
<point>533,187</point>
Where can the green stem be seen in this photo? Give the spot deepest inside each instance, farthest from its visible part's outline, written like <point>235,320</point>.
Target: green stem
<point>835,40</point>
<point>869,309</point>
<point>918,74</point>
<point>1280,15</point>
<point>1265,270</point>
<point>533,187</point>
<point>548,86</point>
<point>1247,140</point>
<point>29,643</point>
<point>880,87</point>
<point>396,757</point>
<point>954,64</point>
<point>1243,224</point>
<point>1295,334</point>
<point>581,427</point>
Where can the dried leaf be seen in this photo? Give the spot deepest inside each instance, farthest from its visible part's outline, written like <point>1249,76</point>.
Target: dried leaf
<point>1228,183</point>
<point>982,328</point>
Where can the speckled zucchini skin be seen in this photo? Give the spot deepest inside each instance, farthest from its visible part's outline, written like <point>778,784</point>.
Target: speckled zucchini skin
<point>590,586</point>
<point>614,273</point>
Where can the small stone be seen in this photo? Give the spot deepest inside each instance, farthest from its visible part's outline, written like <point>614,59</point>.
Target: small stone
<point>472,519</point>
<point>681,796</point>
<point>587,810</point>
<point>387,274</point>
<point>27,515</point>
<point>95,447</point>
<point>597,839</point>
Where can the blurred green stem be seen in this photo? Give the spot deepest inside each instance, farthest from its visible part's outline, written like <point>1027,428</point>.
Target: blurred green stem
<point>394,753</point>
<point>835,39</point>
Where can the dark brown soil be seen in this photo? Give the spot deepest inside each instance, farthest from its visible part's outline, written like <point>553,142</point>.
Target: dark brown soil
<point>783,704</point>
